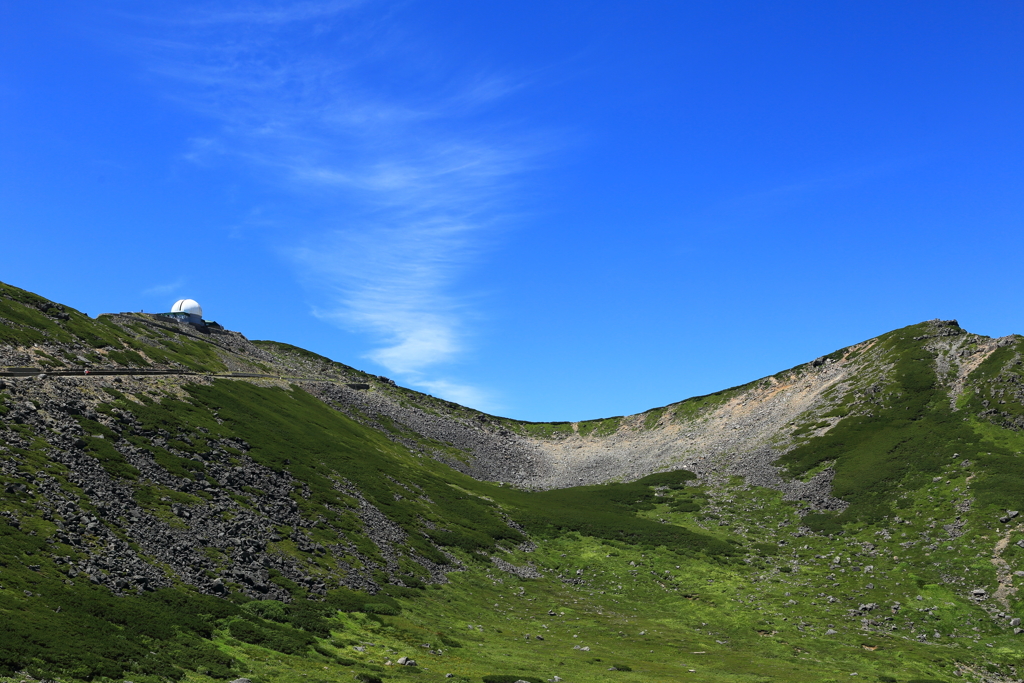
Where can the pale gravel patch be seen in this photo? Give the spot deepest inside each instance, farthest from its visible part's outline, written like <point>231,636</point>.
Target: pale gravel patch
<point>742,436</point>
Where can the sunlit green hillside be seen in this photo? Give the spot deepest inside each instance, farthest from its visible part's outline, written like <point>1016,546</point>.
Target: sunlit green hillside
<point>258,511</point>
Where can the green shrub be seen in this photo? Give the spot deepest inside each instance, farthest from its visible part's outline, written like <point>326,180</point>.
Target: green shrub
<point>823,523</point>
<point>266,609</point>
<point>381,608</point>
<point>675,479</point>
<point>322,651</point>
<point>272,636</point>
<point>909,431</point>
<point>683,505</point>
<point>609,511</point>
<point>110,458</point>
<point>346,600</point>
<point>98,634</point>
<point>310,617</point>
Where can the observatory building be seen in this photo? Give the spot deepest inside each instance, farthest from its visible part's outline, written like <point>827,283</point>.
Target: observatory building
<point>189,311</point>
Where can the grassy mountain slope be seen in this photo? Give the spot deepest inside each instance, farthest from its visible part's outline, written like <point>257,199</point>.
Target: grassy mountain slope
<point>850,515</point>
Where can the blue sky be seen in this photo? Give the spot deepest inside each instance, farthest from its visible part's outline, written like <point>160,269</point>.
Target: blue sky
<point>551,211</point>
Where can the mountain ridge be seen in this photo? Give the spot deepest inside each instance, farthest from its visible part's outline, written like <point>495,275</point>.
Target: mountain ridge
<point>314,503</point>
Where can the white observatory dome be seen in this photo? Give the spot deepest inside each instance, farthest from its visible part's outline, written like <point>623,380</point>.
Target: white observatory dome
<point>187,306</point>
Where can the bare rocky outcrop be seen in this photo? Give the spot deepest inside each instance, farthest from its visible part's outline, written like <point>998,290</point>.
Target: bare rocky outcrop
<point>958,353</point>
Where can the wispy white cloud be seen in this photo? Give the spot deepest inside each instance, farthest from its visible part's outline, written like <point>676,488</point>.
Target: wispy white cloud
<point>269,13</point>
<point>266,13</point>
<point>461,393</point>
<point>395,282</point>
<point>329,101</point>
<point>169,288</point>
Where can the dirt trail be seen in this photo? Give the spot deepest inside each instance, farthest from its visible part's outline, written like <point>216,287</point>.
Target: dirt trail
<point>1003,572</point>
<point>964,368</point>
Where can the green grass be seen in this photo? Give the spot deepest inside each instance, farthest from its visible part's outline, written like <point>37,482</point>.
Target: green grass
<point>653,417</point>
<point>909,436</point>
<point>546,430</point>
<point>27,319</point>
<point>638,604</point>
<point>603,427</point>
<point>609,512</point>
<point>652,580</point>
<point>697,406</point>
<point>292,431</point>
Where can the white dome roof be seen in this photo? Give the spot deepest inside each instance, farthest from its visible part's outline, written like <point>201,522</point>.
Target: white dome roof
<point>187,306</point>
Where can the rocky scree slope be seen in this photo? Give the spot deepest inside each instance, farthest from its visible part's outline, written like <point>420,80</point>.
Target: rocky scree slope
<point>740,431</point>
<point>737,431</point>
<point>308,476</point>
